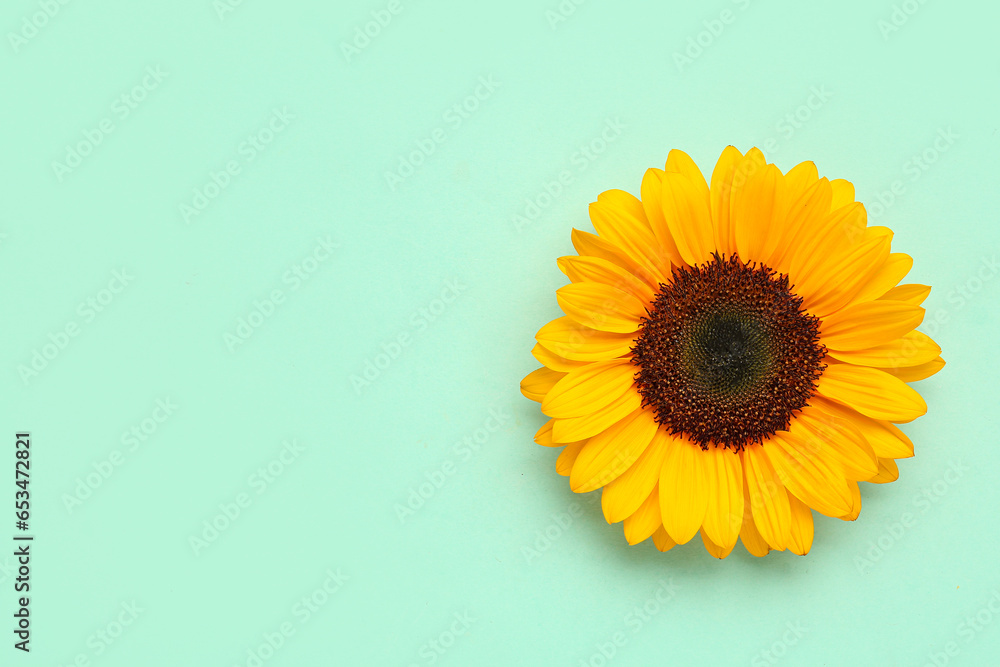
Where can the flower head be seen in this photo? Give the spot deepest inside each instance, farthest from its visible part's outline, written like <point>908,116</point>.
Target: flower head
<point>734,355</point>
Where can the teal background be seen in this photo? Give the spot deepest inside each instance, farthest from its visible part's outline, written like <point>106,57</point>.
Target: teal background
<point>472,559</point>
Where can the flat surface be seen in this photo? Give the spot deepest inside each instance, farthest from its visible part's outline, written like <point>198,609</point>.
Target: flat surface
<point>216,219</point>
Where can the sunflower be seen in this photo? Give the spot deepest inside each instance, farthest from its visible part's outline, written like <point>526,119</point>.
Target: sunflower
<point>734,355</point>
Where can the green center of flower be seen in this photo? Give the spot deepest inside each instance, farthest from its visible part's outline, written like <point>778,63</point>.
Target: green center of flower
<point>726,351</point>
<point>726,354</point>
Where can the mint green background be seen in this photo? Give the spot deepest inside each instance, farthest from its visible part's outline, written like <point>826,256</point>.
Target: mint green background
<point>334,507</point>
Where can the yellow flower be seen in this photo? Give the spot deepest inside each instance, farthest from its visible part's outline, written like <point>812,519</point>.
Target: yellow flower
<point>734,355</point>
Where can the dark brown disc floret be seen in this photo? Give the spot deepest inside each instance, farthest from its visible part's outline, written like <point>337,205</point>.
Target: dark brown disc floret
<point>726,354</point>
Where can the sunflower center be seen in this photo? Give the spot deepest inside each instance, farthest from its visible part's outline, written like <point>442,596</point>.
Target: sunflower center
<point>726,354</point>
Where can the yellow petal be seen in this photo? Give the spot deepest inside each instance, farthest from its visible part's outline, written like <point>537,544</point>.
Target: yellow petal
<point>888,471</point>
<point>598,270</point>
<point>838,279</point>
<point>713,548</point>
<point>623,496</point>
<point>916,373</point>
<point>768,499</point>
<point>680,162</point>
<point>652,203</point>
<point>895,268</point>
<point>724,513</point>
<point>834,233</point>
<point>912,349</point>
<point>611,452</point>
<point>805,215</point>
<point>755,213</point>
<point>539,383</point>
<point>619,218</point>
<point>797,182</point>
<point>567,457</point>
<point>884,437</point>
<point>591,245</point>
<point>808,476</point>
<point>568,338</point>
<point>683,489</point>
<point>871,392</point>
<point>601,307</point>
<point>752,540</point>
<point>662,540</point>
<point>720,196</point>
<point>912,294</point>
<point>570,429</point>
<point>877,230</point>
<point>688,217</point>
<point>801,177</point>
<point>749,535</point>
<point>843,193</point>
<point>837,440</point>
<point>747,168</point>
<point>553,361</point>
<point>869,324</point>
<point>544,435</point>
<point>800,536</point>
<point>752,162</point>
<point>855,502</point>
<point>645,520</point>
<point>589,389</point>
